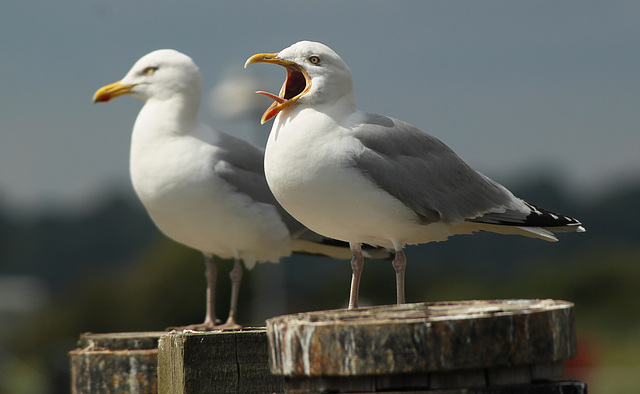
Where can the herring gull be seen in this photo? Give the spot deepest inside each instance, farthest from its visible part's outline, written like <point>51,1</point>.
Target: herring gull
<point>372,179</point>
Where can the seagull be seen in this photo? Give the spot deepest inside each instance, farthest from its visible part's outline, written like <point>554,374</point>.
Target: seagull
<point>371,179</point>
<point>201,187</point>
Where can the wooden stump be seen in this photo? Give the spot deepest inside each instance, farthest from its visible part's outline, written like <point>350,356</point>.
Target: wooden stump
<point>115,363</point>
<point>512,345</point>
<point>216,362</point>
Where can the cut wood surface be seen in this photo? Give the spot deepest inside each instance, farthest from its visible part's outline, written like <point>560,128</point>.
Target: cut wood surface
<point>441,337</point>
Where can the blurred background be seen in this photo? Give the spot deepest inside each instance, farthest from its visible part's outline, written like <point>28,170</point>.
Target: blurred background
<point>540,96</point>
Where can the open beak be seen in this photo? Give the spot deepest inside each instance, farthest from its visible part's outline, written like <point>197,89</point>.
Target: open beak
<point>111,91</point>
<point>296,85</point>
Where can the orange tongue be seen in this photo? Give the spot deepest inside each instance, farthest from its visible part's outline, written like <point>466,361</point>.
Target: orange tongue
<point>272,96</point>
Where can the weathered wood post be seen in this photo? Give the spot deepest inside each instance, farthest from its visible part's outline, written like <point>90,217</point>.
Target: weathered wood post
<point>115,363</point>
<point>502,346</point>
<point>481,347</point>
<point>212,362</point>
<point>174,362</point>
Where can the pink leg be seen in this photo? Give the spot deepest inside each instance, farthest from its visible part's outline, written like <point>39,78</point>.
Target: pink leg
<point>399,265</point>
<point>210,320</point>
<point>357,265</point>
<point>236,277</point>
<point>211,273</point>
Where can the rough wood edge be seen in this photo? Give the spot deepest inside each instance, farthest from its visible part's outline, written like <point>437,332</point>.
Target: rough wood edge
<point>121,340</point>
<point>171,363</point>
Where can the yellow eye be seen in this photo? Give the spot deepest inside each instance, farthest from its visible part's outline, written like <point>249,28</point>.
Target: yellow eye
<point>149,70</point>
<point>314,60</point>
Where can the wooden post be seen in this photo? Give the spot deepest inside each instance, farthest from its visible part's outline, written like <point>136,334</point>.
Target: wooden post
<point>115,363</point>
<point>502,346</point>
<point>216,362</point>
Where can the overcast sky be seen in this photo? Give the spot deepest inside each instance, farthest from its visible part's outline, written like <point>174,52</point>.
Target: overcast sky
<point>512,86</point>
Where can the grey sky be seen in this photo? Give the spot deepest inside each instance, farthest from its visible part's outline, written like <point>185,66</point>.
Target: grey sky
<point>511,86</point>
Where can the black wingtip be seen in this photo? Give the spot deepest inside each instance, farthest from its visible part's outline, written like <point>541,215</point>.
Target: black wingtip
<point>540,217</point>
<point>537,217</point>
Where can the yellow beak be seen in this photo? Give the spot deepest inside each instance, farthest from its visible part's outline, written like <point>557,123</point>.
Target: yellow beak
<point>264,58</point>
<point>296,85</point>
<point>111,91</point>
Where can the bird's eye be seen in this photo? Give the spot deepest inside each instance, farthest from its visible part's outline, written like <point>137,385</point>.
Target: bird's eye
<point>149,70</point>
<point>314,60</point>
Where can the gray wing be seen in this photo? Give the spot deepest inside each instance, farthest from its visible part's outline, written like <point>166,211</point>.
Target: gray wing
<point>425,174</point>
<point>241,164</point>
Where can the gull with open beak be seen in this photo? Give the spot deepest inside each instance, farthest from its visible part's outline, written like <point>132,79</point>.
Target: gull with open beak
<point>371,179</point>
<point>297,84</point>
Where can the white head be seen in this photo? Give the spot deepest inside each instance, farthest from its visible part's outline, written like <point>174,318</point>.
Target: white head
<point>158,75</point>
<point>315,75</point>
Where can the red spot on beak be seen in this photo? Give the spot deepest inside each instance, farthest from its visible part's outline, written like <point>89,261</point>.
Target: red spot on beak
<point>104,98</point>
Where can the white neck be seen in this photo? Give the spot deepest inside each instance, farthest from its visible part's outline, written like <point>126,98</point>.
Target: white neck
<point>337,110</point>
<point>164,116</point>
